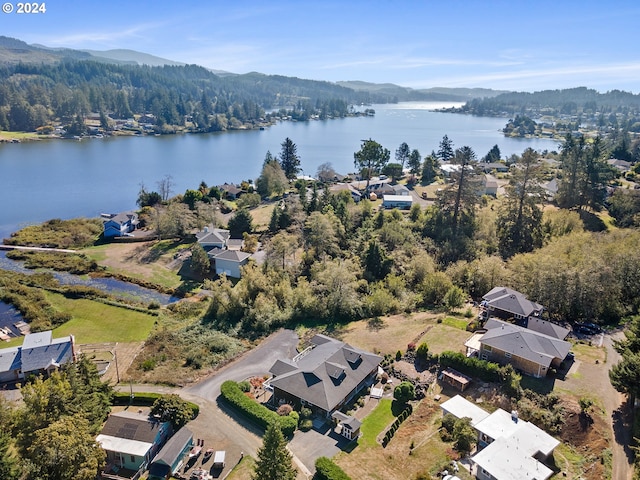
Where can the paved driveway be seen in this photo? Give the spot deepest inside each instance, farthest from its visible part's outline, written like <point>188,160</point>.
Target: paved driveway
<point>308,446</point>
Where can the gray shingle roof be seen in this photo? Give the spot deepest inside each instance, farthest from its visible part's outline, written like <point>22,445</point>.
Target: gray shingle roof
<point>548,328</point>
<point>524,343</point>
<point>58,352</point>
<point>328,373</point>
<point>9,359</point>
<point>511,301</point>
<point>174,447</point>
<point>232,255</point>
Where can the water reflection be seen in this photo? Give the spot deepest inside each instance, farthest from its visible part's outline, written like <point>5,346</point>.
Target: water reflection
<point>117,288</point>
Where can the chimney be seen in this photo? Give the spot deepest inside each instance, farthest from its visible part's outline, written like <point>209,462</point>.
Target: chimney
<point>514,416</point>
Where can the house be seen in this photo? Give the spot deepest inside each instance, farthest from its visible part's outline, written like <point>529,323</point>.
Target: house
<point>119,224</point>
<point>448,168</point>
<point>323,377</point>
<point>346,187</point>
<point>507,303</point>
<point>40,354</point>
<point>131,440</point>
<point>490,184</point>
<point>348,426</point>
<point>403,202</point>
<point>229,262</point>
<point>621,165</point>
<point>213,238</point>
<point>508,447</point>
<point>460,407</point>
<point>527,350</point>
<point>230,191</point>
<point>170,458</point>
<point>494,166</point>
<point>224,252</point>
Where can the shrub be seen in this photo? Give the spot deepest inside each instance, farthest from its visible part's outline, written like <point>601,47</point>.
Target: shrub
<point>284,409</point>
<point>411,347</point>
<point>398,355</point>
<point>255,412</point>
<point>245,386</point>
<point>404,392</point>
<point>305,413</point>
<point>327,470</point>
<point>306,424</point>
<point>487,371</point>
<point>422,353</point>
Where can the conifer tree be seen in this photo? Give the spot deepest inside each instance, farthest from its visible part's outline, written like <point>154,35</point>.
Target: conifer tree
<point>274,460</point>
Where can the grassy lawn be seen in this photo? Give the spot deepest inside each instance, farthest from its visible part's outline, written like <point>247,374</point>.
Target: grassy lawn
<point>397,462</point>
<point>95,322</point>
<point>442,337</point>
<point>243,470</point>
<point>375,422</point>
<point>151,261</point>
<point>457,322</point>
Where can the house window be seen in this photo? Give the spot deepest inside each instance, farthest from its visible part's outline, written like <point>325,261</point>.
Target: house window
<point>484,356</point>
<point>487,348</point>
<point>133,458</point>
<point>507,354</point>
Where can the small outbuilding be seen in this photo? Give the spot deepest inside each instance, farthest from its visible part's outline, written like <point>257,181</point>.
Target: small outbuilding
<point>455,378</point>
<point>403,202</point>
<point>171,457</point>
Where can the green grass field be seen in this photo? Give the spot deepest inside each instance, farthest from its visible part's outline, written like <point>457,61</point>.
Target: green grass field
<point>95,322</point>
<point>375,422</point>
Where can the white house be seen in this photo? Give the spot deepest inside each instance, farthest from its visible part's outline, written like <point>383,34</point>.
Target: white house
<point>508,447</point>
<point>403,202</point>
<point>229,261</point>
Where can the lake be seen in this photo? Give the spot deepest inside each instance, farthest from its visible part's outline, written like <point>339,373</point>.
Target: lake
<point>69,178</point>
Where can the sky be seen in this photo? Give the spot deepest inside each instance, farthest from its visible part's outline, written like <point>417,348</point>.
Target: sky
<point>505,45</point>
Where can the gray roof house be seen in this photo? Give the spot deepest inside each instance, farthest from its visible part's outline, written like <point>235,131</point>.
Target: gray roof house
<point>40,353</point>
<point>505,303</point>
<point>119,224</point>
<point>527,350</point>
<point>213,238</point>
<point>325,376</point>
<point>229,262</point>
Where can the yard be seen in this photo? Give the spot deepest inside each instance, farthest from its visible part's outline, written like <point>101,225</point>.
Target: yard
<point>397,331</point>
<point>95,322</point>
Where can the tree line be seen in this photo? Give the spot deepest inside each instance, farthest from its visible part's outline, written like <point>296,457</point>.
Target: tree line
<point>36,96</point>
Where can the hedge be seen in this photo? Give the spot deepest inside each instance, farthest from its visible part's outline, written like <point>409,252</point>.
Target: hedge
<point>145,399</point>
<point>487,371</point>
<point>327,470</point>
<point>388,435</point>
<point>257,413</point>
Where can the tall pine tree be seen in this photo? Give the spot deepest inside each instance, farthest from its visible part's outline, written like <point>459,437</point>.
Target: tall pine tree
<point>274,460</point>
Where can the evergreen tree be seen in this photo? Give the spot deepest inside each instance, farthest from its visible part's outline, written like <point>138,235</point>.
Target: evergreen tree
<point>519,221</point>
<point>445,150</point>
<point>274,460</point>
<point>493,155</point>
<point>371,158</point>
<point>241,222</point>
<point>429,169</point>
<point>402,153</point>
<point>200,263</point>
<point>414,162</point>
<point>289,159</point>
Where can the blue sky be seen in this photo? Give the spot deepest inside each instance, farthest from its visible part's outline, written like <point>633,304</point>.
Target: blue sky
<point>512,45</point>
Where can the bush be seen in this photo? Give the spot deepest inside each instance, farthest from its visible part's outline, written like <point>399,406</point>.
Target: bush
<point>487,371</point>
<point>327,470</point>
<point>306,424</point>
<point>404,392</point>
<point>255,412</point>
<point>245,386</point>
<point>284,410</point>
<point>398,355</point>
<point>422,353</point>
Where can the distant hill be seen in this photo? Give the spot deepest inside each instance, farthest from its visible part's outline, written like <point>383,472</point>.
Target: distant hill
<point>132,57</point>
<point>430,94</point>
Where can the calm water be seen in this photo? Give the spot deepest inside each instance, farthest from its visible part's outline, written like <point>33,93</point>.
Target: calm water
<point>67,178</point>
<point>118,288</point>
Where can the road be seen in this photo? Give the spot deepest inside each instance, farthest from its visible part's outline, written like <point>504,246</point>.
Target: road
<point>615,406</point>
<point>230,431</point>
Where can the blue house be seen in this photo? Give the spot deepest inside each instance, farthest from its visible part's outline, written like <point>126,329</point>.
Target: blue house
<point>169,460</point>
<point>119,224</point>
<point>131,440</point>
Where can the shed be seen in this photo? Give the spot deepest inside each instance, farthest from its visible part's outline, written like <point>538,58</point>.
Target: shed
<point>455,378</point>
